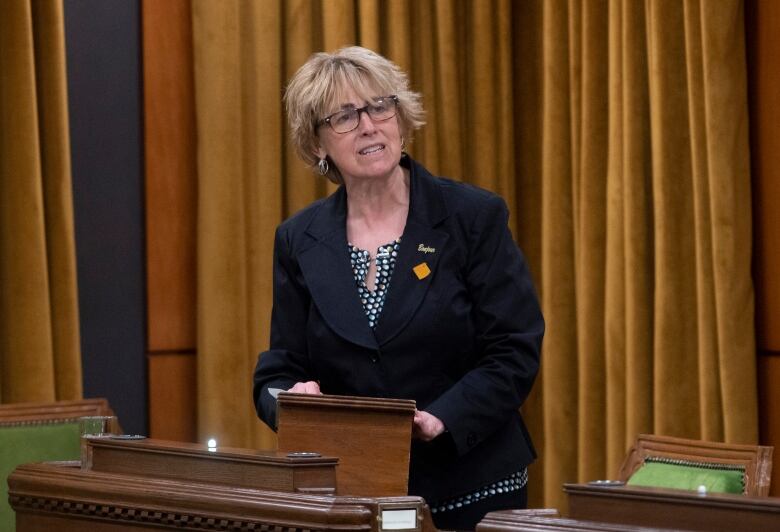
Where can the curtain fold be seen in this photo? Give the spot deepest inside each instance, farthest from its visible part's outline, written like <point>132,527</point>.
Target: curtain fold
<point>39,333</point>
<point>617,133</point>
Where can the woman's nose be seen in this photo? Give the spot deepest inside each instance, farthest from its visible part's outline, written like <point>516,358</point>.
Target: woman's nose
<point>365,123</point>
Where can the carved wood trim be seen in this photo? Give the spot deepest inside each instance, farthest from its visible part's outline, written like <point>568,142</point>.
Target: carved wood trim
<point>22,414</point>
<point>149,516</point>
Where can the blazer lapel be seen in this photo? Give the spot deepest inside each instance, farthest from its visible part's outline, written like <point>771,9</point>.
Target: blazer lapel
<point>421,246</point>
<point>328,272</point>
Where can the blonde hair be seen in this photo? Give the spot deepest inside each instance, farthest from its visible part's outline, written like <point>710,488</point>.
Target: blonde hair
<point>321,82</point>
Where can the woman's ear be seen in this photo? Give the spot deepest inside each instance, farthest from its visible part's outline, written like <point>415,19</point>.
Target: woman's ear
<point>319,151</point>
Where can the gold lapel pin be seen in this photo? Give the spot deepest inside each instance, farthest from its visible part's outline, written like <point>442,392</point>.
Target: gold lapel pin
<point>422,270</point>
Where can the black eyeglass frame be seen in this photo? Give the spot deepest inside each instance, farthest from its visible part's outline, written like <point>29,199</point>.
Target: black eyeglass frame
<point>359,110</point>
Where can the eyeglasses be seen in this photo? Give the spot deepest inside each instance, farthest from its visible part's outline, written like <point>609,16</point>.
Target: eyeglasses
<point>380,109</point>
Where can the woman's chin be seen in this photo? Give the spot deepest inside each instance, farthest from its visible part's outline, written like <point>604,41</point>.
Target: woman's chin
<point>373,170</point>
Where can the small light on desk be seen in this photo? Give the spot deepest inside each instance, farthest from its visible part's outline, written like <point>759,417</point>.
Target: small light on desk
<point>212,445</point>
<point>702,490</point>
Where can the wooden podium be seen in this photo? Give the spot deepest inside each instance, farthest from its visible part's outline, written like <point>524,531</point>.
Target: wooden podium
<point>371,437</point>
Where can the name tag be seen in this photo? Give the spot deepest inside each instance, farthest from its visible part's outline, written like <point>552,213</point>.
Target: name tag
<point>405,519</point>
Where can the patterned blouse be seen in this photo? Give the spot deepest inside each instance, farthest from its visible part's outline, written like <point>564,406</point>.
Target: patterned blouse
<point>385,263</point>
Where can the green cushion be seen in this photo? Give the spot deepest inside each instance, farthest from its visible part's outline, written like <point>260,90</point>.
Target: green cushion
<point>688,476</point>
<point>33,443</point>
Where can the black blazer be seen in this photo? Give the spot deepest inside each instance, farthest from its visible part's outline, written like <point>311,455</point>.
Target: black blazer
<point>463,341</point>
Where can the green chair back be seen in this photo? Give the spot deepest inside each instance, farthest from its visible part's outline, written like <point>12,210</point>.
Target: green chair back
<point>662,472</point>
<point>40,442</point>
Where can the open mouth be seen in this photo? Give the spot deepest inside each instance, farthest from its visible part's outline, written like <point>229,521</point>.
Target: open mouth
<point>372,149</point>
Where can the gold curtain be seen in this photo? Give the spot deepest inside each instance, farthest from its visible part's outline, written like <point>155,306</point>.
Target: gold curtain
<point>615,130</point>
<point>39,329</point>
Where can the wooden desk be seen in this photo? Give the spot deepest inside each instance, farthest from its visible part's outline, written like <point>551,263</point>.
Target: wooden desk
<point>153,485</point>
<point>672,509</point>
<point>247,468</point>
<point>547,520</point>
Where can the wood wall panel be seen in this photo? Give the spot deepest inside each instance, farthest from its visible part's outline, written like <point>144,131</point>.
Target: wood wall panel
<point>172,387</point>
<point>171,184</point>
<point>171,215</point>
<point>762,31</point>
<point>763,45</point>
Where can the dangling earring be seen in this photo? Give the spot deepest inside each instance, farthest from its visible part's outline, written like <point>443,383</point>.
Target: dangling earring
<point>403,144</point>
<point>322,166</point>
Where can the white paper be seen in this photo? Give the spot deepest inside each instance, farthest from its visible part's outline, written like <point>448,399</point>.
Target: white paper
<point>399,519</point>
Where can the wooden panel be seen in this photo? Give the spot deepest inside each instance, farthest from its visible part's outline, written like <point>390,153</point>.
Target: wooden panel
<point>171,174</point>
<point>675,509</point>
<point>370,436</point>
<point>247,468</point>
<point>762,36</point>
<point>172,400</point>
<point>547,519</point>
<point>763,46</point>
<point>769,409</point>
<point>171,204</point>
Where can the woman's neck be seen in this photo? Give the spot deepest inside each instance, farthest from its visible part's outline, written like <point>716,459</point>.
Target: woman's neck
<point>375,200</point>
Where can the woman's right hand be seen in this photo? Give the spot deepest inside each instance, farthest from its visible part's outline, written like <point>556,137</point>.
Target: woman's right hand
<point>310,387</point>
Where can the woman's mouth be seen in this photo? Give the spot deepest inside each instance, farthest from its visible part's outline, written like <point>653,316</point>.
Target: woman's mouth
<point>371,149</point>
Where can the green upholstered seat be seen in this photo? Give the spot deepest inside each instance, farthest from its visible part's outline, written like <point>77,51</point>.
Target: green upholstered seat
<point>689,475</point>
<point>41,442</point>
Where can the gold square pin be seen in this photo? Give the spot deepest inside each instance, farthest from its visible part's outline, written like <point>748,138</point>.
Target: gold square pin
<point>422,270</point>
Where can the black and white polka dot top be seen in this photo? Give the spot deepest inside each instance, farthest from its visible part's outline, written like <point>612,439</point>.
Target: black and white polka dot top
<point>385,263</point>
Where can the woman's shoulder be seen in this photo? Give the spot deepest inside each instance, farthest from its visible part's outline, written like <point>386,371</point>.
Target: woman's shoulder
<point>466,193</point>
<point>327,209</point>
<point>469,202</point>
<point>461,196</point>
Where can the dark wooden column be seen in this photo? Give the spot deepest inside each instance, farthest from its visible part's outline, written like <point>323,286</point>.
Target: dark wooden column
<point>171,203</point>
<point>762,25</point>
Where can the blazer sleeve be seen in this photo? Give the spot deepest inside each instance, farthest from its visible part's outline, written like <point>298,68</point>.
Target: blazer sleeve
<point>509,328</point>
<point>286,361</point>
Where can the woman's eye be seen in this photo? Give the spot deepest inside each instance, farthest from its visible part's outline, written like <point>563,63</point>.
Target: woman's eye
<point>343,118</point>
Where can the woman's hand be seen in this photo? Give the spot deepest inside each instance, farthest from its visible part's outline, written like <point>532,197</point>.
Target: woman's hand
<point>426,426</point>
<point>310,387</point>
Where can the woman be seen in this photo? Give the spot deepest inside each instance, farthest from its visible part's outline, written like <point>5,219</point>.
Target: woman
<point>403,285</point>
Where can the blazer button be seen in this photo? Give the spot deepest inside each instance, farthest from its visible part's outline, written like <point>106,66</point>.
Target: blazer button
<point>374,359</point>
<point>471,440</point>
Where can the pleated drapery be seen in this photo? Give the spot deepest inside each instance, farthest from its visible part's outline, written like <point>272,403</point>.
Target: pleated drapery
<point>617,133</point>
<point>646,236</point>
<point>39,327</point>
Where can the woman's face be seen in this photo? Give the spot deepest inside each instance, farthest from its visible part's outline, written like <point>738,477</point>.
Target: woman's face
<point>371,150</point>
